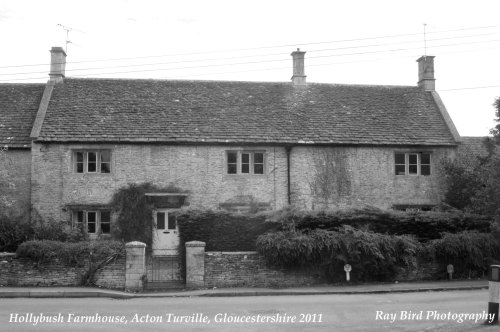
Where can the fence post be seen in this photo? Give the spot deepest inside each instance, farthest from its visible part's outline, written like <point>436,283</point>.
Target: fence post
<point>494,290</point>
<point>195,264</point>
<point>135,265</point>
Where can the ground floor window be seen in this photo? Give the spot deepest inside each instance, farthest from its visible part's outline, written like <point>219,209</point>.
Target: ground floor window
<point>92,222</point>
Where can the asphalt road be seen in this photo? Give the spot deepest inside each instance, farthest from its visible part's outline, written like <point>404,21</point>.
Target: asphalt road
<point>435,311</point>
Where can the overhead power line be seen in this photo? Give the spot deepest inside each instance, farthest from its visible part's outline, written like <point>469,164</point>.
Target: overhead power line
<point>240,63</point>
<point>252,56</point>
<point>262,47</point>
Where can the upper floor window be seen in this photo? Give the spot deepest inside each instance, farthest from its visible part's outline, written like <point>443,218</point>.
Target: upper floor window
<point>92,222</point>
<point>412,163</point>
<point>245,162</point>
<point>92,161</point>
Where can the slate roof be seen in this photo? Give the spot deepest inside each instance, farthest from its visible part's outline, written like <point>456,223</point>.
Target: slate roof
<point>112,110</point>
<point>18,107</point>
<point>472,148</point>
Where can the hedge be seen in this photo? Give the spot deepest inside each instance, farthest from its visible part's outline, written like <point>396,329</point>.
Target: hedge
<point>471,253</point>
<point>223,231</point>
<point>373,257</point>
<point>423,225</point>
<point>69,253</point>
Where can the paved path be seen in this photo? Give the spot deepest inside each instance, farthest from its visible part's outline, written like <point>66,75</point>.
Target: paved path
<point>75,292</point>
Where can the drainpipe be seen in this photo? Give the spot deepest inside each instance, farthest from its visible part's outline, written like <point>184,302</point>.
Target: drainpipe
<point>288,149</point>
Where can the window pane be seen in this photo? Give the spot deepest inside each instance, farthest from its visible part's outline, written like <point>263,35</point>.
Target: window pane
<point>400,169</point>
<point>412,169</point>
<point>245,163</point>
<point>105,157</point>
<point>77,219</point>
<point>258,169</point>
<point>105,222</point>
<point>160,220</point>
<point>425,158</point>
<point>232,162</point>
<point>92,157</point>
<point>258,163</point>
<point>399,158</point>
<point>412,159</point>
<point>172,221</point>
<point>105,168</point>
<point>79,162</point>
<point>91,162</point>
<point>258,158</point>
<point>91,222</point>
<point>105,162</point>
<point>425,170</point>
<point>231,169</point>
<point>245,168</point>
<point>231,157</point>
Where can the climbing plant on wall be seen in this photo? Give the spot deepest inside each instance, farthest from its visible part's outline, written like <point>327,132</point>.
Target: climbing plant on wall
<point>331,175</point>
<point>135,212</point>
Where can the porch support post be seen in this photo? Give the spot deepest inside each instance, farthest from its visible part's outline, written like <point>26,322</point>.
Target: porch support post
<point>195,264</point>
<point>135,266</point>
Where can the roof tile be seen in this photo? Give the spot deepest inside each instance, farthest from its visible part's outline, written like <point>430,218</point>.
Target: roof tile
<point>247,112</point>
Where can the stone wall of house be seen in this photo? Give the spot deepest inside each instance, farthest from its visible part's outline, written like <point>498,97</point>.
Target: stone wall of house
<point>239,269</point>
<point>197,169</point>
<point>354,175</point>
<point>18,271</point>
<point>15,178</point>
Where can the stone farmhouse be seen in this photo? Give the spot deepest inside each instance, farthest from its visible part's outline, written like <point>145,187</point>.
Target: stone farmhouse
<point>68,145</point>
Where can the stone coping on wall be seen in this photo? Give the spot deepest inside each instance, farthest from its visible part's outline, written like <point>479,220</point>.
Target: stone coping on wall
<point>7,254</point>
<point>232,252</point>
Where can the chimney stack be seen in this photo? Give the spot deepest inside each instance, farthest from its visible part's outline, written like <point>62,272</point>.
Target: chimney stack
<point>299,77</point>
<point>57,64</point>
<point>426,78</point>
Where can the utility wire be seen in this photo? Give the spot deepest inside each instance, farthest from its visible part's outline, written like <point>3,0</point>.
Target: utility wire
<point>253,70</point>
<point>249,56</point>
<point>244,63</point>
<point>262,47</point>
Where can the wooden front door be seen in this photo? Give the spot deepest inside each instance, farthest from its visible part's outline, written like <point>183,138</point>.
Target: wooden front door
<point>165,233</point>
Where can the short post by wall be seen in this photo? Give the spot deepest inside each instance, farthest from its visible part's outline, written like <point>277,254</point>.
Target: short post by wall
<point>135,266</point>
<point>195,264</point>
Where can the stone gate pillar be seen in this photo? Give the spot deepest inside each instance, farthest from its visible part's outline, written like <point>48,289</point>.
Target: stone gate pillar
<point>135,265</point>
<point>195,264</point>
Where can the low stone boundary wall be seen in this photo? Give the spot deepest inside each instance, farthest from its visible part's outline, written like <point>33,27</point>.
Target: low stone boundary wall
<point>16,271</point>
<point>239,269</point>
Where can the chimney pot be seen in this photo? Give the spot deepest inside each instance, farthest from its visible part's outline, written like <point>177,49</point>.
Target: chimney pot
<point>299,77</point>
<point>426,78</point>
<point>57,64</point>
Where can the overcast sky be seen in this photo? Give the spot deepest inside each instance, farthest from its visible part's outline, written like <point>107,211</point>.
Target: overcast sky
<point>353,42</point>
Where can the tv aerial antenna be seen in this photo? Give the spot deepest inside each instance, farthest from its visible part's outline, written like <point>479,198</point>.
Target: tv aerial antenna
<point>67,29</point>
<point>425,40</point>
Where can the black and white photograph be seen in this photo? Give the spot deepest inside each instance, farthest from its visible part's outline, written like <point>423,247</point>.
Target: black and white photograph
<point>220,165</point>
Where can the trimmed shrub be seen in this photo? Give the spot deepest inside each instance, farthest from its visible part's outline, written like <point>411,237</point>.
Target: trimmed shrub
<point>423,225</point>
<point>13,232</point>
<point>222,231</point>
<point>471,253</point>
<point>69,253</point>
<point>373,257</point>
